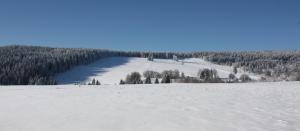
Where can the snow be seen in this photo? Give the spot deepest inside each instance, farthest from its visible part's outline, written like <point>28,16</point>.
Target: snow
<point>110,71</point>
<point>164,107</point>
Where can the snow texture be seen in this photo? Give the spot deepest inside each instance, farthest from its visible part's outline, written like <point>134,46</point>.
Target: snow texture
<point>110,71</point>
<point>164,107</point>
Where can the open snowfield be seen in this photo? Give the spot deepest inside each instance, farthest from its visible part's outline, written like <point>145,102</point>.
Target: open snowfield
<point>170,107</point>
<point>111,70</point>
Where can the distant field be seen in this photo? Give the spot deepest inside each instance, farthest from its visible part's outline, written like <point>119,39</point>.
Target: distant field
<point>112,70</point>
<point>164,107</point>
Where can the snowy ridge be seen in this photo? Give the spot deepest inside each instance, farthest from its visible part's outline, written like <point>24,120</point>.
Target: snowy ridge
<point>110,71</point>
<point>164,107</point>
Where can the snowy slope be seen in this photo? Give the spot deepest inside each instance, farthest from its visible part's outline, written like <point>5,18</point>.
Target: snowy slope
<point>112,70</point>
<point>171,107</point>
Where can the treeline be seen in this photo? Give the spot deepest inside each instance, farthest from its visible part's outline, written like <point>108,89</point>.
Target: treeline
<point>274,65</point>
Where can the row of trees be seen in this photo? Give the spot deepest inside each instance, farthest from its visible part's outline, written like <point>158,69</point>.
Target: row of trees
<point>165,76</point>
<point>170,76</point>
<point>94,82</point>
<point>135,78</point>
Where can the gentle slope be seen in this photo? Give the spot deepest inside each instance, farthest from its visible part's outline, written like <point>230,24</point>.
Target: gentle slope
<point>170,107</point>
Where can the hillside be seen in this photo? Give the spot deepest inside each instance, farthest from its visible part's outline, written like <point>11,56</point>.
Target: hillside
<point>112,70</point>
<point>164,107</point>
<point>35,65</point>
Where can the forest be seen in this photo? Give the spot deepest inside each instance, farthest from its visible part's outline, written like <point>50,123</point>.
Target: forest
<point>35,65</point>
<point>274,65</point>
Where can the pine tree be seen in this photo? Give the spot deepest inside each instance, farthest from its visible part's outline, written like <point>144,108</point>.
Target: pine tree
<point>93,82</point>
<point>98,83</point>
<point>156,81</point>
<point>148,80</point>
<point>150,57</point>
<point>122,82</point>
<point>235,70</point>
<point>182,75</point>
<point>166,79</point>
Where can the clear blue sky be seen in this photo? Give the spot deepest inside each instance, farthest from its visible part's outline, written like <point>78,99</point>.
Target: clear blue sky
<point>153,25</point>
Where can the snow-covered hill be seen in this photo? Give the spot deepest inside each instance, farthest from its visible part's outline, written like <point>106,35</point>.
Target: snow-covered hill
<point>164,107</point>
<point>112,70</point>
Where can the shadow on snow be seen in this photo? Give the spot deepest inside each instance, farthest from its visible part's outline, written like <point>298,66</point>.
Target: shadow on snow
<point>83,72</point>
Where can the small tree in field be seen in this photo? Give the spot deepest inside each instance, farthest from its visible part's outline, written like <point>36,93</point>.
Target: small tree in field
<point>134,78</point>
<point>245,78</point>
<point>232,77</point>
<point>148,80</point>
<point>98,83</point>
<point>182,75</point>
<point>150,57</point>
<point>122,82</point>
<point>156,81</point>
<point>235,70</point>
<point>166,79</point>
<point>207,74</point>
<point>93,82</point>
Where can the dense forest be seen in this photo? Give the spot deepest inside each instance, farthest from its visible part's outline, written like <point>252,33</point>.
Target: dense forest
<point>274,65</point>
<point>22,65</point>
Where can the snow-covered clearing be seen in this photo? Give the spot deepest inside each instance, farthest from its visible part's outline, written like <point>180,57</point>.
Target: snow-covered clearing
<point>170,107</point>
<point>112,70</point>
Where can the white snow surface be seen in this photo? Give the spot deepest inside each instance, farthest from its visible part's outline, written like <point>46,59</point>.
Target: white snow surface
<point>162,107</point>
<point>109,71</point>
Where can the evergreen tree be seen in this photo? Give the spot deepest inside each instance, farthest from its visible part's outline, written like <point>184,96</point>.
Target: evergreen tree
<point>166,79</point>
<point>182,75</point>
<point>235,70</point>
<point>148,80</point>
<point>150,57</point>
<point>122,82</point>
<point>93,82</point>
<point>156,81</point>
<point>98,83</point>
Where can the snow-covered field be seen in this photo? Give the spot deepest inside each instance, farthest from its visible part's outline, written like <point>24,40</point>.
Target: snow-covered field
<point>112,70</point>
<point>171,107</point>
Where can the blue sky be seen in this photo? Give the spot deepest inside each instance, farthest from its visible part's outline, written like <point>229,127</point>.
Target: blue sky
<point>153,25</point>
